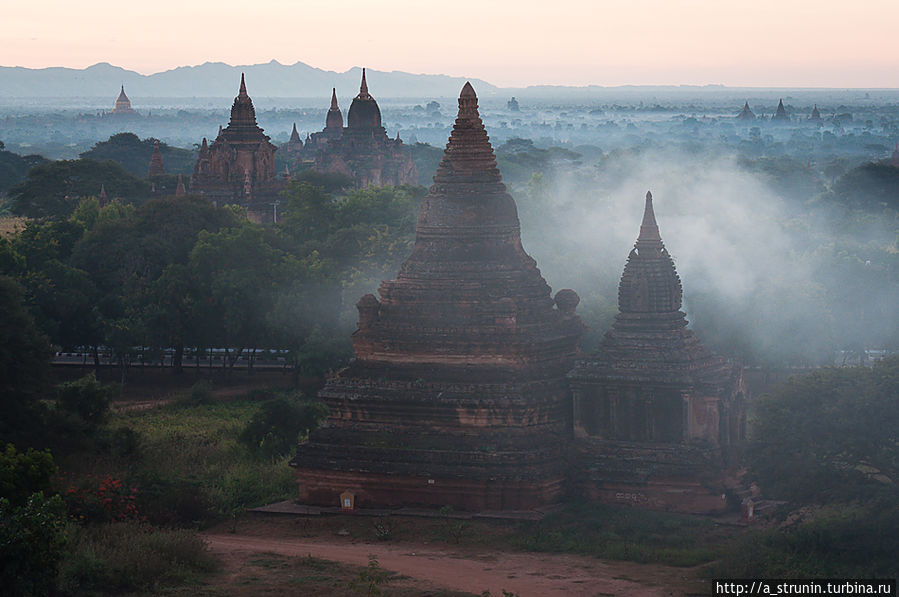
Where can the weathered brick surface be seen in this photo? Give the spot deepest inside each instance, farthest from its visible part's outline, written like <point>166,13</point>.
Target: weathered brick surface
<point>239,166</point>
<point>457,395</point>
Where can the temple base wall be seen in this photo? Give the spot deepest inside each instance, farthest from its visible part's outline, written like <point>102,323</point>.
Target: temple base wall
<point>669,477</point>
<point>323,488</point>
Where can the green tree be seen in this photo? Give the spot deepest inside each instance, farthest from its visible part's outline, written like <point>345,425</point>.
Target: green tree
<point>14,167</point>
<point>869,186</point>
<point>24,366</point>
<point>833,434</point>
<point>134,155</point>
<point>53,189</point>
<point>238,272</point>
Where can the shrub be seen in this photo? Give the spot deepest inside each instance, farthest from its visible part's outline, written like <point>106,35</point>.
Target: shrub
<point>101,499</point>
<point>85,397</point>
<point>200,393</point>
<point>24,473</point>
<point>32,538</point>
<point>275,429</point>
<point>174,502</point>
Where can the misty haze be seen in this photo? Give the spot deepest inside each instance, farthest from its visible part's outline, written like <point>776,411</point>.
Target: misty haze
<point>277,328</point>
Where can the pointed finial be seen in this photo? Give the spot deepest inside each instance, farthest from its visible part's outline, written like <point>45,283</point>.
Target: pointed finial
<point>363,88</point>
<point>204,146</point>
<point>243,86</point>
<point>649,230</point>
<point>334,105</point>
<point>468,103</point>
<point>180,191</point>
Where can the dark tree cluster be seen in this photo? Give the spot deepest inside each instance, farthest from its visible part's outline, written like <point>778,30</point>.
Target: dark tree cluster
<point>180,275</point>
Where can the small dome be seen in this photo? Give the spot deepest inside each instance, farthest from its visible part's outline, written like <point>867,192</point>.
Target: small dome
<point>364,112</point>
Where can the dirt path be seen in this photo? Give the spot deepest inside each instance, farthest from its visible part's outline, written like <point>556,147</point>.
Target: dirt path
<point>528,575</point>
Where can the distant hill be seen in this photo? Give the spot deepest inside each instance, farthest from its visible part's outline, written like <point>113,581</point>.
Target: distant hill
<point>216,79</point>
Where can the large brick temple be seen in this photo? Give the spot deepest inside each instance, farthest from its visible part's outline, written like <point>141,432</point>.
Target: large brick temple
<point>656,415</point>
<point>457,395</point>
<point>361,150</point>
<point>239,165</point>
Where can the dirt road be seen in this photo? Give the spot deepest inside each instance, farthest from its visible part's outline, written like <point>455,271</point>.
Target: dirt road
<point>527,574</point>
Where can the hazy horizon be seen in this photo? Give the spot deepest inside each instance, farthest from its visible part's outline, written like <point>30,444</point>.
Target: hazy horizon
<point>647,42</point>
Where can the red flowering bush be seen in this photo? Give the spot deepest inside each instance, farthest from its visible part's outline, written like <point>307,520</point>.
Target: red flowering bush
<point>101,499</point>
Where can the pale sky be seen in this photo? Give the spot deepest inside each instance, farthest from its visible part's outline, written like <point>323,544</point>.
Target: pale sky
<point>788,43</point>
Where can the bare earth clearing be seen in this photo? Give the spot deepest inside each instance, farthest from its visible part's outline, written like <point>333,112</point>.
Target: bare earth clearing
<point>465,570</point>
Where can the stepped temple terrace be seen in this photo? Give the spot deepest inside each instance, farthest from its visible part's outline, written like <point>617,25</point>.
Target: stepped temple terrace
<point>457,395</point>
<point>239,166</point>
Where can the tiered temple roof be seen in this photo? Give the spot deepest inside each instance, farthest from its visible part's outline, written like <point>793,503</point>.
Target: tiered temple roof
<point>815,115</point>
<point>122,104</point>
<point>457,394</point>
<point>239,165</point>
<point>334,120</point>
<point>362,149</point>
<point>649,340</point>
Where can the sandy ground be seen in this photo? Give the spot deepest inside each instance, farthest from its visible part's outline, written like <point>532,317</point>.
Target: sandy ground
<point>527,574</point>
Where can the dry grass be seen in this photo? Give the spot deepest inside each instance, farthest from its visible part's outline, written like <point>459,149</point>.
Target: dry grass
<point>11,225</point>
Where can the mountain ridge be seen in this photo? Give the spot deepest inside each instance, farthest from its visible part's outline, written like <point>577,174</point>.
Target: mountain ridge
<point>219,79</point>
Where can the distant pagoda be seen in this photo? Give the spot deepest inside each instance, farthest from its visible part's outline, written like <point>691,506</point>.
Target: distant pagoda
<point>746,113</point>
<point>156,168</point>
<point>294,143</point>
<point>361,150</point>
<point>655,412</point>
<point>781,114</point>
<point>457,395</point>
<point>123,105</point>
<point>239,166</point>
<point>815,116</point>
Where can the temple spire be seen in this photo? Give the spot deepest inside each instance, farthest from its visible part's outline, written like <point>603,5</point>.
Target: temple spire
<point>156,165</point>
<point>363,88</point>
<point>334,105</point>
<point>469,156</point>
<point>180,191</point>
<point>649,230</point>
<point>243,86</point>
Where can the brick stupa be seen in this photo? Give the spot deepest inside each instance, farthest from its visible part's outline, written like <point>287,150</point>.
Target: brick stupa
<point>656,413</point>
<point>457,395</point>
